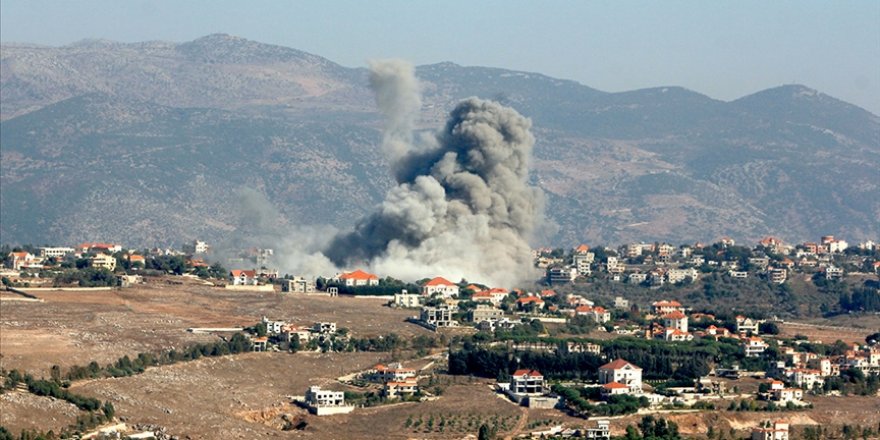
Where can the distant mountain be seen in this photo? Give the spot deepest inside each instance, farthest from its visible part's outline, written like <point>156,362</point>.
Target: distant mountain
<point>149,143</point>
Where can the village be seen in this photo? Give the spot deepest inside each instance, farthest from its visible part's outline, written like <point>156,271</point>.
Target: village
<point>547,346</point>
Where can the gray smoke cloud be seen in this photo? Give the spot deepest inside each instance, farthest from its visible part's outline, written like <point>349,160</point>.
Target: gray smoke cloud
<point>399,99</point>
<point>462,207</point>
<point>260,225</point>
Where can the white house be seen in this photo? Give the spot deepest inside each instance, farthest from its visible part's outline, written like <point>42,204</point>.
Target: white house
<point>527,382</point>
<point>746,325</point>
<point>622,372</point>
<point>777,431</point>
<point>103,261</point>
<point>754,346</point>
<point>681,275</point>
<point>664,307</point>
<point>561,274</point>
<point>326,402</point>
<point>297,284</point>
<point>407,300</point>
<point>395,389</point>
<point>598,429</point>
<point>358,278</point>
<point>676,320</point>
<point>55,252</point>
<point>786,395</point>
<point>441,287</point>
<point>598,314</point>
<point>22,259</point>
<point>243,277</point>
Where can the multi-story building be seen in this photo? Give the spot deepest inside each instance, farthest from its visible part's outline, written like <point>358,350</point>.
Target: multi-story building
<point>437,316</point>
<point>746,325</point>
<point>754,346</point>
<point>664,307</point>
<point>622,372</point>
<point>394,372</point>
<point>637,278</point>
<point>777,431</point>
<point>561,274</point>
<point>759,262</point>
<point>440,286</point>
<point>598,429</point>
<point>395,389</point>
<point>807,378</point>
<point>527,382</point>
<point>326,402</point>
<point>56,252</point>
<point>777,275</point>
<point>243,277</point>
<point>200,247</point>
<point>486,312</point>
<point>833,273</point>
<point>324,328</point>
<point>676,320</point>
<point>681,275</point>
<point>786,395</point>
<point>103,261</point>
<point>297,284</point>
<point>583,262</point>
<point>597,313</point>
<point>409,300</point>
<point>110,248</point>
<point>358,278</point>
<point>19,260</point>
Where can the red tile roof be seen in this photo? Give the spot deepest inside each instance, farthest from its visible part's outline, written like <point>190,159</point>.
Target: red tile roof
<point>358,275</point>
<point>439,281</point>
<point>674,315</point>
<point>617,364</point>
<point>533,373</point>
<point>248,273</point>
<point>614,386</point>
<point>96,245</point>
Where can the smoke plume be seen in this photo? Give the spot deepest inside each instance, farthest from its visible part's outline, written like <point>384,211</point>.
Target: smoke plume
<point>297,247</point>
<point>462,207</point>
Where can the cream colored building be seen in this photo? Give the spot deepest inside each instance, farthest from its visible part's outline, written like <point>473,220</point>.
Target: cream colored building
<point>103,261</point>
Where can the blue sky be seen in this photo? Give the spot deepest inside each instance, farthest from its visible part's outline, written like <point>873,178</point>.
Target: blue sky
<point>723,49</point>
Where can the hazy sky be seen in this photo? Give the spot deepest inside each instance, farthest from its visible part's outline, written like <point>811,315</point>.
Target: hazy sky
<point>723,49</point>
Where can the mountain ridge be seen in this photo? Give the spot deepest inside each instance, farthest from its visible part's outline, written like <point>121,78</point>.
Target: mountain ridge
<point>661,163</point>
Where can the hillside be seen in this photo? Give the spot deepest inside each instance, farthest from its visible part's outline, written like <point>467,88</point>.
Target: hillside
<point>151,143</point>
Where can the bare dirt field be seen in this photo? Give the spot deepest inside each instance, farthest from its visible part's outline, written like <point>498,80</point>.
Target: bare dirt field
<point>245,396</point>
<point>240,396</point>
<point>22,410</point>
<point>830,331</point>
<point>78,327</point>
<point>831,412</point>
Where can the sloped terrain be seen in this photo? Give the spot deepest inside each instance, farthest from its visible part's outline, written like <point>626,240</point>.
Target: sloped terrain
<point>151,143</point>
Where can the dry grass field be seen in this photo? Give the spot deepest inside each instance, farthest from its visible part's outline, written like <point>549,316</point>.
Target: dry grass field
<point>69,328</point>
<point>830,331</point>
<point>247,395</point>
<point>22,410</point>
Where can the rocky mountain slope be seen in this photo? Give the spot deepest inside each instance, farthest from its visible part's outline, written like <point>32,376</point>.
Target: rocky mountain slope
<point>153,143</point>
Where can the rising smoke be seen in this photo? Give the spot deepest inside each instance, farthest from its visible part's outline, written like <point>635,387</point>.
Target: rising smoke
<point>462,207</point>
